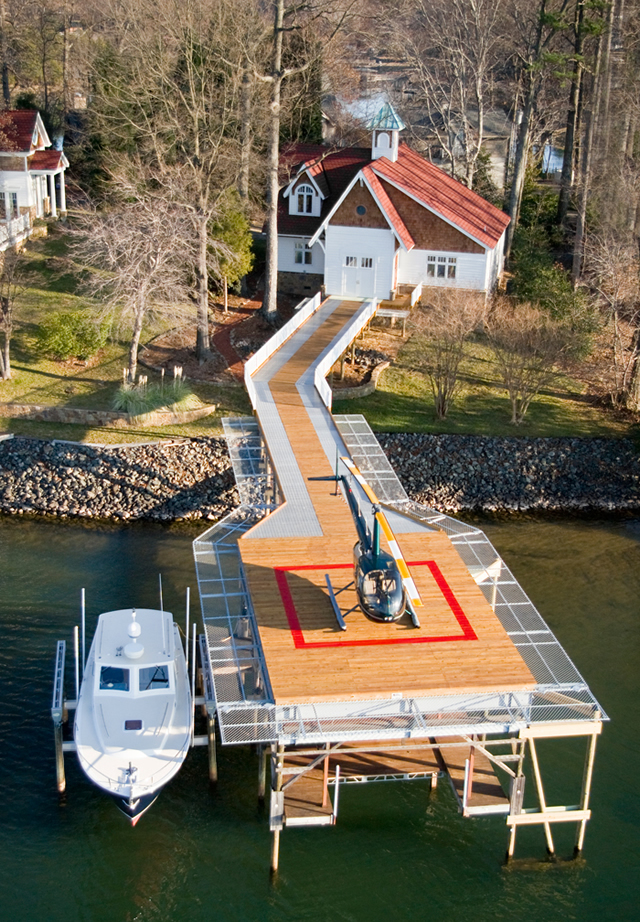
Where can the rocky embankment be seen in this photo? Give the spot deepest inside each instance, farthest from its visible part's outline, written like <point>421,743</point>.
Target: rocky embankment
<point>193,479</point>
<point>159,482</point>
<point>453,473</point>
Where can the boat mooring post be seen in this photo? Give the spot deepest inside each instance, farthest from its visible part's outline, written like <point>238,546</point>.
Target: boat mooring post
<point>186,629</point>
<point>58,713</point>
<point>76,653</point>
<point>193,681</point>
<point>84,631</point>
<point>277,797</point>
<point>211,737</point>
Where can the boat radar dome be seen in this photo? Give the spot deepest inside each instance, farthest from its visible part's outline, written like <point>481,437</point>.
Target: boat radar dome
<point>134,650</point>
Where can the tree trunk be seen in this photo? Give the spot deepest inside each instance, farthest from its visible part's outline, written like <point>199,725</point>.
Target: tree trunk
<point>587,159</point>
<point>135,341</point>
<point>246,133</point>
<point>566,179</point>
<point>270,303</point>
<point>6,94</point>
<point>202,341</point>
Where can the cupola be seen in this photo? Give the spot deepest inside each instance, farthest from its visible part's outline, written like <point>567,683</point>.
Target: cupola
<point>385,128</point>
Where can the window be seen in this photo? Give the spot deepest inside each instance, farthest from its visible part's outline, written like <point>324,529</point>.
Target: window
<point>351,260</point>
<point>361,209</point>
<point>113,678</point>
<point>431,266</point>
<point>451,268</point>
<point>151,677</point>
<point>442,265</point>
<point>3,207</point>
<point>305,196</point>
<point>303,255</point>
<point>366,262</point>
<point>13,204</point>
<point>133,725</point>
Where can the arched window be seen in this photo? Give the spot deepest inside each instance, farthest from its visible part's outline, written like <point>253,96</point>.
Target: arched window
<point>383,139</point>
<point>305,196</point>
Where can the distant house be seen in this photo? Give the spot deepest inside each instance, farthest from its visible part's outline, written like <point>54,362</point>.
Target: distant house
<point>367,222</point>
<point>31,177</point>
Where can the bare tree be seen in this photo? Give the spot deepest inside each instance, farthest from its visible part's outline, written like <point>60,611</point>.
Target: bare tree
<point>13,281</point>
<point>527,344</point>
<point>136,256</point>
<point>446,323</point>
<point>450,48</point>
<point>611,268</point>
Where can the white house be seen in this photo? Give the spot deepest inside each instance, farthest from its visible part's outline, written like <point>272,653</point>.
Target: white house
<point>364,222</point>
<point>31,177</point>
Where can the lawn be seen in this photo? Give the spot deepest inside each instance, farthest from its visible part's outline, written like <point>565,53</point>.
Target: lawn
<point>403,403</point>
<point>40,380</point>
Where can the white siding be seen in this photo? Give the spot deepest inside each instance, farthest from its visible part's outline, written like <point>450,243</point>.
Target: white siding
<point>359,243</point>
<point>495,264</point>
<point>471,269</point>
<point>286,256</point>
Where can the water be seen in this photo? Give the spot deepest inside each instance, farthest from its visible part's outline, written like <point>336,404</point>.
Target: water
<point>397,853</point>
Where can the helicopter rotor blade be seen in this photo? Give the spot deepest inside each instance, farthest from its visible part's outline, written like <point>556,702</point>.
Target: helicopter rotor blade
<point>394,547</point>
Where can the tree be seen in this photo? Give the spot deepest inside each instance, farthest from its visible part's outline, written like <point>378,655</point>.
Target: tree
<point>526,344</point>
<point>12,282</point>
<point>232,230</point>
<point>612,270</point>
<point>446,323</point>
<point>168,88</point>
<point>137,255</point>
<point>450,47</point>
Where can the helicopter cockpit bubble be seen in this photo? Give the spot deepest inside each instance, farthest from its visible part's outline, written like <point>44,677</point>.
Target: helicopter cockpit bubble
<point>380,590</point>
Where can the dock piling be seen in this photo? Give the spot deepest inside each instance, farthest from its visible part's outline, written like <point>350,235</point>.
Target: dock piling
<point>211,736</point>
<point>262,772</point>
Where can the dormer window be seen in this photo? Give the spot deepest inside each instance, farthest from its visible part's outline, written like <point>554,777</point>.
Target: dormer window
<point>304,198</point>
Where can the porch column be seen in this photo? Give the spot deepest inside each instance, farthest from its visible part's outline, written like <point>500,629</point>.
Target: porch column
<point>52,194</point>
<point>63,194</point>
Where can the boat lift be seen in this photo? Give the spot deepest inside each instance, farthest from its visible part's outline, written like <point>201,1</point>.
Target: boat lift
<point>61,706</point>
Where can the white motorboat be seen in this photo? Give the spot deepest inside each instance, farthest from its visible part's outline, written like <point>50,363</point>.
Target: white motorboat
<point>133,719</point>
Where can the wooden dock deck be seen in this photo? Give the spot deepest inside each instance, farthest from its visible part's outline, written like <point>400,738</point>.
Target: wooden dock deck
<point>461,645</point>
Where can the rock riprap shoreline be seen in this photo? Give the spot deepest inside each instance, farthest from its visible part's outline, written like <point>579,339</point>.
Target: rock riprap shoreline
<point>454,473</point>
<point>158,482</point>
<point>193,479</point>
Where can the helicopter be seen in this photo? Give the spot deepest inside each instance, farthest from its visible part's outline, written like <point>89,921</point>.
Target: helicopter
<point>384,586</point>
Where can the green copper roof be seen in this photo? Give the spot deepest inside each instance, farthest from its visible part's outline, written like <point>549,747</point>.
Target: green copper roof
<point>386,119</point>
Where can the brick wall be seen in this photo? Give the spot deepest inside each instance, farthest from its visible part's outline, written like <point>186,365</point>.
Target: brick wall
<point>429,231</point>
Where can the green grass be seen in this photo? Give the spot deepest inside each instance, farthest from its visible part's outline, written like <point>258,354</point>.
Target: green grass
<point>37,379</point>
<point>403,402</point>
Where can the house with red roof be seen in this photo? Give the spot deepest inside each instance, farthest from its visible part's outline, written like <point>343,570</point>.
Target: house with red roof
<point>31,175</point>
<point>367,222</point>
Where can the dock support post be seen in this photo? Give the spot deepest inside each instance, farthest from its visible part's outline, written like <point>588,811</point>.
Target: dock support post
<point>275,842</point>
<point>543,803</point>
<point>60,777</point>
<point>262,772</point>
<point>521,746</point>
<point>586,792</point>
<point>434,781</point>
<point>211,737</point>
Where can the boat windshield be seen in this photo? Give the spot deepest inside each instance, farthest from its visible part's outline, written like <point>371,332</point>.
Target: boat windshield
<point>154,677</point>
<point>113,678</point>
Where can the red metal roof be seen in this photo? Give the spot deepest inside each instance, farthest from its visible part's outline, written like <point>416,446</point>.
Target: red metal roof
<point>444,195</point>
<point>428,184</point>
<point>338,169</point>
<point>389,208</point>
<point>46,160</point>
<point>16,130</point>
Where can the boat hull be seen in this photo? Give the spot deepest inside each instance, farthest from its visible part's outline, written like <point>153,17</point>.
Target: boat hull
<point>133,810</point>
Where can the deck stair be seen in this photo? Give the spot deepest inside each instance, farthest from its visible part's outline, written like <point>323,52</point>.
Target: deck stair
<point>473,779</point>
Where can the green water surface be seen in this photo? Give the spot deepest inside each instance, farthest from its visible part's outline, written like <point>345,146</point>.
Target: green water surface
<point>397,852</point>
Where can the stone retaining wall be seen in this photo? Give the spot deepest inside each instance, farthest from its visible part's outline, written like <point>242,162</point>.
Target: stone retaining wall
<point>103,418</point>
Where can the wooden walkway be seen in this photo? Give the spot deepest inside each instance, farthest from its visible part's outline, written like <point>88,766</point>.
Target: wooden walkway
<point>461,646</point>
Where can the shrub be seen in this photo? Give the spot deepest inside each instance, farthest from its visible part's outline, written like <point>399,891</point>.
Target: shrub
<point>137,399</point>
<point>75,333</point>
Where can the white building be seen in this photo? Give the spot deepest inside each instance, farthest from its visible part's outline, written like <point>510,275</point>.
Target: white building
<point>364,222</point>
<point>31,177</point>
